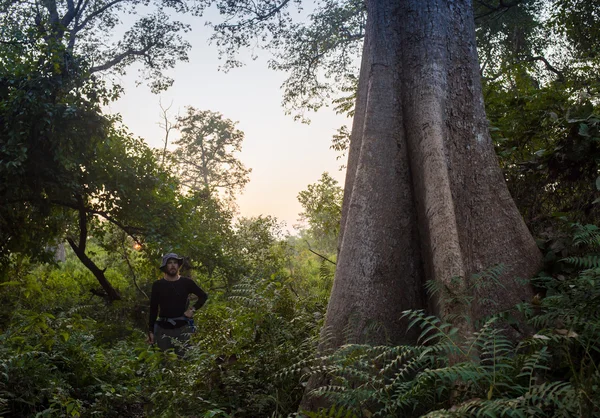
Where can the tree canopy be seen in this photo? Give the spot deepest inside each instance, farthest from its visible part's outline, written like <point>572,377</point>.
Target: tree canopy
<point>87,30</point>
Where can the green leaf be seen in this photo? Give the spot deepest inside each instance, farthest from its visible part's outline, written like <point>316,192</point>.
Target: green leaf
<point>584,130</point>
<point>11,283</point>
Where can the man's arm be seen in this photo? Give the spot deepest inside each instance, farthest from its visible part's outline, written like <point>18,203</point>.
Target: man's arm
<point>202,297</point>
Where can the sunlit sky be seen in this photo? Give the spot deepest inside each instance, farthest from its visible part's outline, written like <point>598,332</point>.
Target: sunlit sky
<point>285,156</point>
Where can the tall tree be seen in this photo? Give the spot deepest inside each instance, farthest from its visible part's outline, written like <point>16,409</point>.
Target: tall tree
<point>206,152</point>
<point>424,197</point>
<point>59,154</point>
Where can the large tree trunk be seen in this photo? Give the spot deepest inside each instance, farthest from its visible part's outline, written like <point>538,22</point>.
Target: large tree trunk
<point>424,197</point>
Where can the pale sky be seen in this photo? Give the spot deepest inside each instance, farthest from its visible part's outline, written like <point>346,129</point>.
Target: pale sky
<point>285,156</point>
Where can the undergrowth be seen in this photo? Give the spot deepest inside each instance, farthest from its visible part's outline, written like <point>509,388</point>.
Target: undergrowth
<point>74,364</point>
<point>254,348</point>
<point>551,372</point>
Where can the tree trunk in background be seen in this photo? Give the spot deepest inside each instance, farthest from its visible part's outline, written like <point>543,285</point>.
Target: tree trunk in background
<point>108,291</point>
<point>60,253</point>
<point>424,196</point>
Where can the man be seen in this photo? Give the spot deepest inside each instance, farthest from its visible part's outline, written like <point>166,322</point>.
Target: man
<point>170,297</point>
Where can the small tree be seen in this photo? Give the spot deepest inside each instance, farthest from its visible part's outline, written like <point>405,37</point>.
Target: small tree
<point>205,152</point>
<point>322,209</point>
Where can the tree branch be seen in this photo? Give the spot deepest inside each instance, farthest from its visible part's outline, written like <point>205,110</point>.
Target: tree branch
<point>316,253</point>
<point>167,125</point>
<point>129,230</point>
<point>95,14</point>
<point>116,60</point>
<point>549,67</point>
<point>70,15</point>
<point>50,5</point>
<point>79,250</point>
<point>256,18</point>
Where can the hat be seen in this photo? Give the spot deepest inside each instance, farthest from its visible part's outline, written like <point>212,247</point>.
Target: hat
<point>167,257</point>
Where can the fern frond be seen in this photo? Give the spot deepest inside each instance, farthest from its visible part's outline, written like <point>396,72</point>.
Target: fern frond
<point>586,235</point>
<point>586,261</point>
<point>334,411</point>
<point>433,328</point>
<point>489,277</point>
<point>536,361</point>
<point>433,287</point>
<point>476,341</point>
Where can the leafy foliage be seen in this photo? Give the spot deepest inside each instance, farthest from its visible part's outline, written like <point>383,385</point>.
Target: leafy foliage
<point>66,352</point>
<point>87,30</point>
<point>551,170</point>
<point>63,163</point>
<point>540,91</point>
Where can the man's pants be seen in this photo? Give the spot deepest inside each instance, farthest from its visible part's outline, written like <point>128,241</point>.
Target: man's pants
<point>176,338</point>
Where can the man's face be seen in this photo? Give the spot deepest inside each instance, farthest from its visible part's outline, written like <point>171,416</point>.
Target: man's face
<point>172,267</point>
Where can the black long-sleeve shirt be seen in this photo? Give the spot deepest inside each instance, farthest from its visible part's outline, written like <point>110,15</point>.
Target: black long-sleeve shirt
<point>170,298</point>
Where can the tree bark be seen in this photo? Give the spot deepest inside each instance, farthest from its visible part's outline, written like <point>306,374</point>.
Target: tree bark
<point>424,197</point>
<point>379,272</point>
